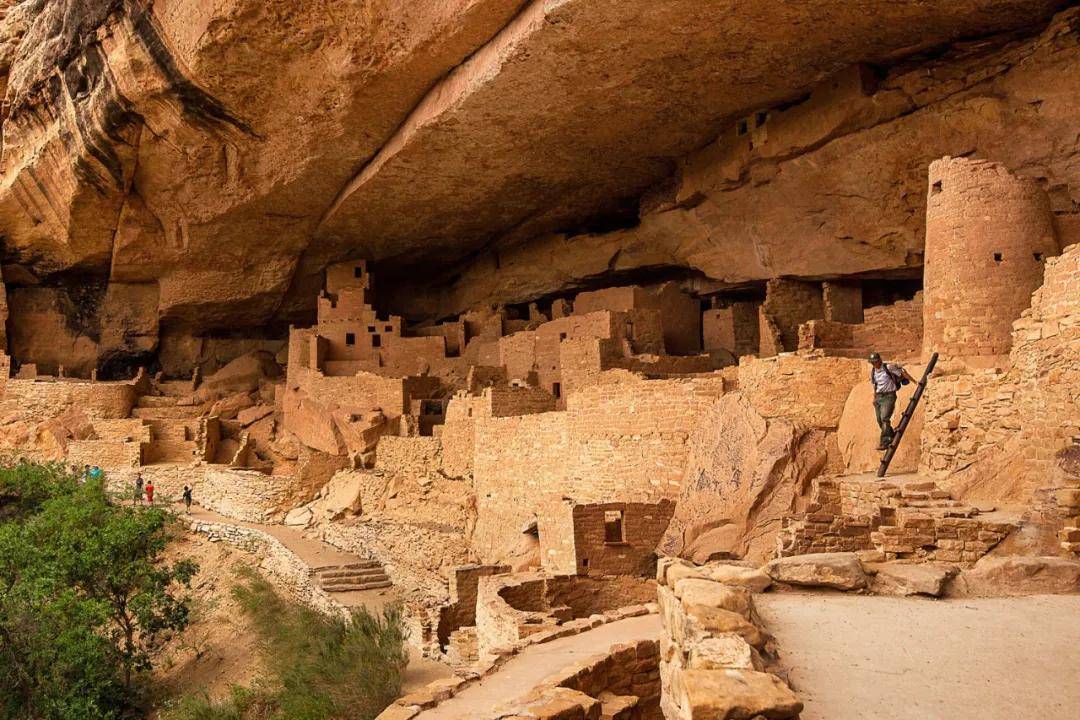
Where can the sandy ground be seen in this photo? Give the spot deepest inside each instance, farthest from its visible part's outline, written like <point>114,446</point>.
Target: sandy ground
<point>218,649</point>
<point>526,670</point>
<point>861,658</point>
<point>315,553</point>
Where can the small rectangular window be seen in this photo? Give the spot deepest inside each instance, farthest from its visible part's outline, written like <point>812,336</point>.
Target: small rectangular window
<point>613,527</point>
<point>350,338</point>
<point>742,128</point>
<point>998,257</point>
<point>389,328</point>
<point>358,271</point>
<point>761,118</point>
<point>371,328</point>
<point>376,341</point>
<point>556,389</point>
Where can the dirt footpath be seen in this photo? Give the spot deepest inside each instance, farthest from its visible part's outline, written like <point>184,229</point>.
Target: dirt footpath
<point>856,657</point>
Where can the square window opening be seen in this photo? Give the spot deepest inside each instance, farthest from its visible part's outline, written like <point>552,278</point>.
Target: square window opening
<point>388,328</point>
<point>935,188</point>
<point>371,328</point>
<point>358,272</point>
<point>1038,257</point>
<point>350,338</point>
<point>998,257</point>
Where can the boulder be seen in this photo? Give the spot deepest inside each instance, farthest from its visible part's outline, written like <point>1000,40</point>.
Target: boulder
<point>747,576</point>
<point>229,408</point>
<point>242,375</point>
<point>1018,575</point>
<point>250,415</point>
<point>905,579</point>
<point>841,571</point>
<point>703,621</point>
<point>744,473</point>
<point>342,496</point>
<point>726,650</point>
<point>299,517</point>
<point>734,694</point>
<point>697,591</point>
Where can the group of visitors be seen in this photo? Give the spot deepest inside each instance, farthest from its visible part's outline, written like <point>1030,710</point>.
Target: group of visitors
<point>88,472</point>
<point>143,489</point>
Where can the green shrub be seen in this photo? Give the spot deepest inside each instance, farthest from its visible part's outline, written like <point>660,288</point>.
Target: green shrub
<point>84,596</point>
<point>320,668</point>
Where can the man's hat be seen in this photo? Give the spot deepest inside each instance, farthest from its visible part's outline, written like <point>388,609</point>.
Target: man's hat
<point>874,357</point>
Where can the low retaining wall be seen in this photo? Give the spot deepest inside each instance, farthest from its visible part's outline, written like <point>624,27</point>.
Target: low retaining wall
<point>276,560</point>
<point>715,656</point>
<point>512,607</point>
<point>561,685</point>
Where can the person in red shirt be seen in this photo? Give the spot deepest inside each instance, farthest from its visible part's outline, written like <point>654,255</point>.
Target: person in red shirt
<point>150,493</point>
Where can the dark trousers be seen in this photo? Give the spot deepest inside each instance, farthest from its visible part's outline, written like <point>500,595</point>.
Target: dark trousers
<point>884,405</point>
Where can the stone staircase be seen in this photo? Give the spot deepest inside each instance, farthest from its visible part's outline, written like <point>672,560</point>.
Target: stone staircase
<point>174,428</point>
<point>363,575</point>
<point>907,517</point>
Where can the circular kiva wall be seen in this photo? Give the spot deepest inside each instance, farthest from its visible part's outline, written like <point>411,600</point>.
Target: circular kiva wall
<point>988,233</point>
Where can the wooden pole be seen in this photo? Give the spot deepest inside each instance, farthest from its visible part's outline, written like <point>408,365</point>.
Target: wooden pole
<point>906,418</point>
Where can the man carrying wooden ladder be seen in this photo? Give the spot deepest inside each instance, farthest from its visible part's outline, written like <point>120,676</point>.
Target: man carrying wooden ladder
<point>886,379</point>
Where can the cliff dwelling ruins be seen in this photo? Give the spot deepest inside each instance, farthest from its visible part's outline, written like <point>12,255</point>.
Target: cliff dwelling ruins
<point>550,321</point>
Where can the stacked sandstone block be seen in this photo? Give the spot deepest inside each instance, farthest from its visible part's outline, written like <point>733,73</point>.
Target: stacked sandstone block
<point>713,654</point>
<point>913,519</point>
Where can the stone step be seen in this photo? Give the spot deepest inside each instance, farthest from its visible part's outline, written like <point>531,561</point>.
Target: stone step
<point>350,582</point>
<point>359,565</point>
<point>359,586</point>
<point>157,401</point>
<point>172,412</point>
<point>366,572</point>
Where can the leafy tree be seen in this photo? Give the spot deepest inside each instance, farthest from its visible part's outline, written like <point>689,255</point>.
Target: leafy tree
<point>84,595</point>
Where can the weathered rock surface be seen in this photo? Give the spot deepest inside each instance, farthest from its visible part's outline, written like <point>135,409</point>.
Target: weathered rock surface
<point>743,474</point>
<point>1021,576</point>
<point>202,162</point>
<point>844,171</point>
<point>841,571</point>
<point>909,579</point>
<point>736,695</point>
<point>752,578</point>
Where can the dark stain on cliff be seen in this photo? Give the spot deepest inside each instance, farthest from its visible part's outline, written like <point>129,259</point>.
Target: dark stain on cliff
<point>66,63</point>
<point>199,104</point>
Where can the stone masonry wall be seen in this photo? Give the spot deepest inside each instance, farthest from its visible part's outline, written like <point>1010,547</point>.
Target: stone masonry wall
<point>1012,424</point>
<point>733,328</point>
<point>622,439</point>
<point>788,304</point>
<point>44,399</point>
<point>988,233</point>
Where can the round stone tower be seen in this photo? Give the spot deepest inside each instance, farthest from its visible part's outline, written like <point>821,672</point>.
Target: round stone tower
<point>988,233</point>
